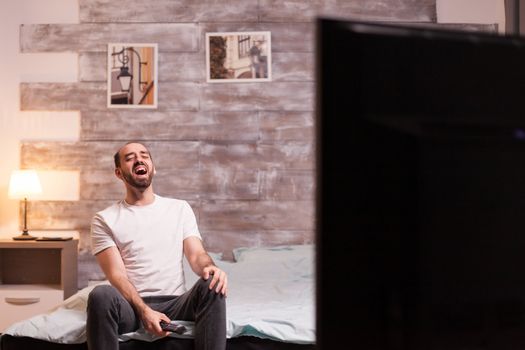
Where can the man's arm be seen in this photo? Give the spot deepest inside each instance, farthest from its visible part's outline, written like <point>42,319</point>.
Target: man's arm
<point>111,263</point>
<point>202,264</point>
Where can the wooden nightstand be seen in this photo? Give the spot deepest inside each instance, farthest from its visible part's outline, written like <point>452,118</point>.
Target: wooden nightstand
<point>35,276</point>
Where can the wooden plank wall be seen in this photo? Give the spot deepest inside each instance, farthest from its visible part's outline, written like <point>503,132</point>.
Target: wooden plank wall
<point>242,154</point>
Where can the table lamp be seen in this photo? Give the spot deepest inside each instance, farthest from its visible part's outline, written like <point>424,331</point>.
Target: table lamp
<point>22,184</point>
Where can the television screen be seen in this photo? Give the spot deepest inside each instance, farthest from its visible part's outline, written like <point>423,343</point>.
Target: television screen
<point>421,188</point>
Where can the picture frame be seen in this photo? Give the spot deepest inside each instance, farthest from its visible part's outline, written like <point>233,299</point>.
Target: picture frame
<point>238,57</point>
<point>132,75</point>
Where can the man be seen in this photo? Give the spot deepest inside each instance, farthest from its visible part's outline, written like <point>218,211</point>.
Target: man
<point>139,243</point>
<point>258,63</point>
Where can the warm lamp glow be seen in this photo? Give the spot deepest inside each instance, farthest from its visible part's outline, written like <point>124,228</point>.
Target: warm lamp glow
<point>24,183</point>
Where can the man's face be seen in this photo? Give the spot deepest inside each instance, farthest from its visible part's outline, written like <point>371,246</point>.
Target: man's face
<point>136,167</point>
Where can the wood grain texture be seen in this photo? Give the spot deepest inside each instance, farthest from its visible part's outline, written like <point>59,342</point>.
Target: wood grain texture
<point>293,66</point>
<point>88,156</point>
<point>179,37</point>
<point>284,155</point>
<point>286,37</point>
<point>190,67</point>
<point>63,215</point>
<point>67,155</point>
<point>175,96</point>
<point>168,11</point>
<point>179,66</point>
<point>225,183</point>
<point>174,125</point>
<point>253,11</point>
<point>257,215</point>
<point>171,37</point>
<point>384,10</point>
<point>92,66</point>
<point>215,183</point>
<point>92,96</point>
<point>286,125</point>
<point>295,185</point>
<point>249,126</point>
<point>182,66</point>
<point>62,96</point>
<point>172,155</point>
<point>258,97</point>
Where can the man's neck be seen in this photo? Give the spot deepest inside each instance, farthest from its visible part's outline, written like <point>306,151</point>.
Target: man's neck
<point>138,197</point>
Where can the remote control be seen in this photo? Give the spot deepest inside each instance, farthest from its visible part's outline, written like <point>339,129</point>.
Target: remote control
<point>172,327</point>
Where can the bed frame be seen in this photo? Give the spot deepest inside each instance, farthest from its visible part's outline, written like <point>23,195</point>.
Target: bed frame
<point>8,342</point>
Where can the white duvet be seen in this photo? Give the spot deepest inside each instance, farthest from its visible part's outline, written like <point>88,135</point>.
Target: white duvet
<point>271,295</point>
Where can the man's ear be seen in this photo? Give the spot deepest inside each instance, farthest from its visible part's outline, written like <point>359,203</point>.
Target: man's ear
<point>118,173</point>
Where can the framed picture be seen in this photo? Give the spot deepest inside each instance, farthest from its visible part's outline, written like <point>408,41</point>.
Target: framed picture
<point>238,57</point>
<point>132,75</point>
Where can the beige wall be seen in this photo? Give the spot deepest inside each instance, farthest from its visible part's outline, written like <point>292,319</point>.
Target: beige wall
<point>472,11</point>
<point>15,125</point>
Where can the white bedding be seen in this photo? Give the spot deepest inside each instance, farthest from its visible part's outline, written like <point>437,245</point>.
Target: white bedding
<point>271,295</point>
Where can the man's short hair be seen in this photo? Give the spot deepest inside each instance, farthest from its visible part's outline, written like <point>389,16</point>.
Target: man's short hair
<point>116,156</point>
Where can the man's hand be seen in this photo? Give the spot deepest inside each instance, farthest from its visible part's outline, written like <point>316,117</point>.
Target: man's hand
<point>219,279</point>
<point>151,321</point>
<point>113,266</point>
<point>202,264</point>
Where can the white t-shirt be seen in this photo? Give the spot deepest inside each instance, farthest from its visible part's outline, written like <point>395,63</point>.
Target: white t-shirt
<point>149,239</point>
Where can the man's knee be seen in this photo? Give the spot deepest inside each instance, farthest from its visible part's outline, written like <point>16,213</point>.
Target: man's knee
<point>204,288</point>
<point>101,297</point>
<point>204,284</point>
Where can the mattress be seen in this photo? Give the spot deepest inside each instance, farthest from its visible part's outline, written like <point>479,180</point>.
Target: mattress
<point>9,342</point>
<point>271,297</point>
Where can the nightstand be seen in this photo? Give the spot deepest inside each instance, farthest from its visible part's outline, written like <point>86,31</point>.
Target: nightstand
<point>35,276</point>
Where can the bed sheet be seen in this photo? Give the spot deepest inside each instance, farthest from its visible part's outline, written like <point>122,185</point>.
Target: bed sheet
<point>271,296</point>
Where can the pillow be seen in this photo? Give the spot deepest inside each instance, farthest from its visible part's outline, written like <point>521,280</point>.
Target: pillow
<point>190,277</point>
<point>215,256</point>
<point>279,253</point>
<point>282,263</point>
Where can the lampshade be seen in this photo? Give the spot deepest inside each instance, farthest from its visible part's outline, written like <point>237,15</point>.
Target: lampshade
<point>24,183</point>
<point>124,78</point>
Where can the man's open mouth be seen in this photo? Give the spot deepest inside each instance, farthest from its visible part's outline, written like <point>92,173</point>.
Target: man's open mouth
<point>140,170</point>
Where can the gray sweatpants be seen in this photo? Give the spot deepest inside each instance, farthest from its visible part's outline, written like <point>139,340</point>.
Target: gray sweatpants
<point>109,314</point>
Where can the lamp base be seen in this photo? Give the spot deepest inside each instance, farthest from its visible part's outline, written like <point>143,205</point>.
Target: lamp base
<point>24,237</point>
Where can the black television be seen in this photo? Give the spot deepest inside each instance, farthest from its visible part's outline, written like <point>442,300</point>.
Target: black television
<point>420,188</point>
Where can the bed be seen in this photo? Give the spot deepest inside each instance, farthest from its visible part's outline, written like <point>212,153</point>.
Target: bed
<point>270,306</point>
